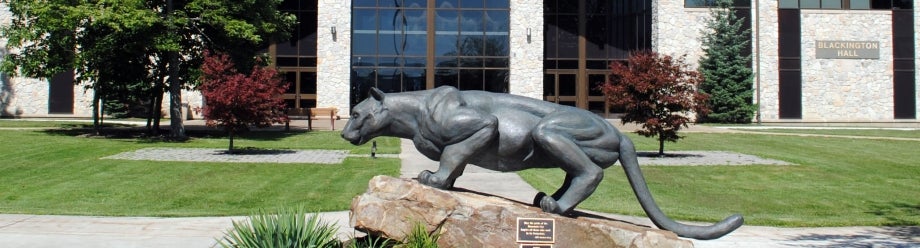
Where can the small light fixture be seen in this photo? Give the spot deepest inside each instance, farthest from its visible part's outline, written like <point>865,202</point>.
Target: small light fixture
<point>528,35</point>
<point>332,30</point>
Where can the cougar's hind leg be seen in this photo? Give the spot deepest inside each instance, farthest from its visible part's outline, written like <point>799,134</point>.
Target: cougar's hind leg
<point>565,186</point>
<point>582,175</point>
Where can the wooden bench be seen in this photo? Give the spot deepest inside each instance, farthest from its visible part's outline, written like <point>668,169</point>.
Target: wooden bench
<point>311,114</point>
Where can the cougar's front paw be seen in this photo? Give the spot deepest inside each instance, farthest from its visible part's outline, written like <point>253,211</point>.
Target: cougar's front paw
<point>426,177</point>
<point>549,205</point>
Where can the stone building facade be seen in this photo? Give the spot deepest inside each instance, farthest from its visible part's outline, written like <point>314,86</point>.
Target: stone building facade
<point>557,50</point>
<point>836,89</point>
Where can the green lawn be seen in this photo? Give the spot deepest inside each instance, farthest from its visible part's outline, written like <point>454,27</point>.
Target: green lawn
<point>59,172</point>
<point>837,182</point>
<point>51,124</point>
<point>846,132</point>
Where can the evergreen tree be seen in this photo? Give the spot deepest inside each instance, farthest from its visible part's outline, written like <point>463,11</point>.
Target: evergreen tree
<point>728,78</point>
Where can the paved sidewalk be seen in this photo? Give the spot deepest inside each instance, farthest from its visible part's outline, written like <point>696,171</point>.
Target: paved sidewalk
<point>40,231</point>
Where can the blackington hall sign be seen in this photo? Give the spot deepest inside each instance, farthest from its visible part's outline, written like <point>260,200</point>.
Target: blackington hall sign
<point>846,49</point>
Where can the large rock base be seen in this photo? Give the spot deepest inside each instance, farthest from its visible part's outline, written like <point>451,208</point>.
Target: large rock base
<point>392,206</point>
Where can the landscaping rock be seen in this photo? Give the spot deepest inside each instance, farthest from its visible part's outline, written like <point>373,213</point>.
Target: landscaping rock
<point>392,206</point>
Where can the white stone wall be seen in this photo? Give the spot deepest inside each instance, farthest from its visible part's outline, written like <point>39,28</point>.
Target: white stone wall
<point>841,90</point>
<point>676,30</point>
<point>526,56</point>
<point>917,56</point>
<point>333,73</point>
<point>767,29</point>
<point>28,97</point>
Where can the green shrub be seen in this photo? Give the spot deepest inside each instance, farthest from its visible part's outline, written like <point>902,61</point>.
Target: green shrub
<point>290,228</point>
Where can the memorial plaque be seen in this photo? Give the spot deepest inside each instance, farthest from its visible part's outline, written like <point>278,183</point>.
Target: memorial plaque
<point>536,246</point>
<point>536,230</point>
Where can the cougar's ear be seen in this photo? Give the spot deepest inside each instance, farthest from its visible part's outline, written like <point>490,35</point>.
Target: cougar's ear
<point>377,94</point>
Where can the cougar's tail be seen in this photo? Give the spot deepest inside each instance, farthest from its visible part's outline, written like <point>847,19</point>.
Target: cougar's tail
<point>630,163</point>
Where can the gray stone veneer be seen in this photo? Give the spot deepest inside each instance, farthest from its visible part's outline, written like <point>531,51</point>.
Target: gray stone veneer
<point>333,55</point>
<point>833,90</point>
<point>527,57</point>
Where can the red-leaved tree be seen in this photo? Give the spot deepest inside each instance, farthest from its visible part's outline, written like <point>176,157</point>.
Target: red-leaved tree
<point>236,101</point>
<point>659,93</point>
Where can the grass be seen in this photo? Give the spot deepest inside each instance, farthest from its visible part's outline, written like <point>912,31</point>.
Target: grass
<point>837,182</point>
<point>52,124</point>
<point>59,172</point>
<point>846,132</point>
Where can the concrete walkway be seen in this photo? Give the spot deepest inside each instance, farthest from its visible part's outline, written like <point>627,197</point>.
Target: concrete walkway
<point>82,231</point>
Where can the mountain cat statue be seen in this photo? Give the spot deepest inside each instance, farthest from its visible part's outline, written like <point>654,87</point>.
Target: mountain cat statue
<point>505,132</point>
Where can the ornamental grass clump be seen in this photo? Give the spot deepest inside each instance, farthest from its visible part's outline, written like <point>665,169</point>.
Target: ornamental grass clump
<point>419,237</point>
<point>290,228</point>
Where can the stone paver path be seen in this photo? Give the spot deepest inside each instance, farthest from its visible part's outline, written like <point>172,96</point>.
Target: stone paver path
<point>248,156</point>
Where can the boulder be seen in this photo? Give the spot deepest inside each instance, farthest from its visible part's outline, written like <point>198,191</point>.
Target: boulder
<point>392,206</point>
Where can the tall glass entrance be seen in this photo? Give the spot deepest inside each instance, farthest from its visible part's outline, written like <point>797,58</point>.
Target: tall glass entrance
<point>407,45</point>
<point>582,38</point>
<point>296,58</point>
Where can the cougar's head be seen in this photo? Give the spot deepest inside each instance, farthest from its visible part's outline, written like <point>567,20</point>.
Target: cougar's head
<point>369,119</point>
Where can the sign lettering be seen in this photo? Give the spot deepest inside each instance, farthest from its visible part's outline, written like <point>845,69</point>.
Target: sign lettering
<point>536,230</point>
<point>846,49</point>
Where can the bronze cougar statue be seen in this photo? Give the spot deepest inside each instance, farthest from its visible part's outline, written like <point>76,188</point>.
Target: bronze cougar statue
<point>505,132</point>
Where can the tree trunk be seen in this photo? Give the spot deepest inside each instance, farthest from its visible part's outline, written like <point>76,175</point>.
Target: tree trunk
<point>96,110</point>
<point>230,149</point>
<point>177,130</point>
<point>660,145</point>
<point>157,111</point>
<point>150,114</point>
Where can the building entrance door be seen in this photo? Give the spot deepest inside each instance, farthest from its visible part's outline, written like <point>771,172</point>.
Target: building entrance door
<point>596,102</point>
<point>301,92</point>
<point>561,87</point>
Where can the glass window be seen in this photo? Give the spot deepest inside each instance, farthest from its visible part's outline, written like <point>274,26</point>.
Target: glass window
<point>711,3</point>
<point>830,4</point>
<point>810,4</point>
<point>471,4</point>
<point>496,21</point>
<point>415,3</point>
<point>364,3</point>
<point>471,21</point>
<point>859,4</point>
<point>881,4</point>
<point>447,4</point>
<point>790,4</point>
<point>743,3</point>
<point>699,3</point>
<point>391,42</point>
<point>498,4</point>
<point>302,44</point>
<point>445,45</point>
<point>902,4</point>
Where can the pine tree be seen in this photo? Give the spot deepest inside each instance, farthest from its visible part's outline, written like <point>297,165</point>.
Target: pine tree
<point>728,78</point>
